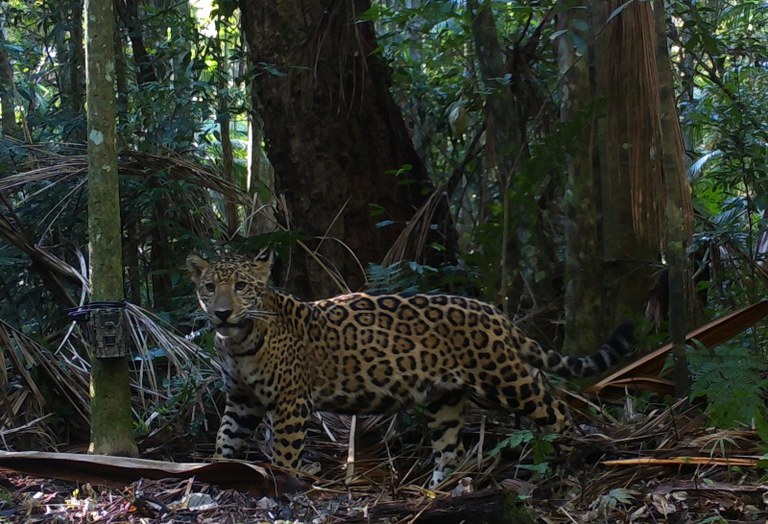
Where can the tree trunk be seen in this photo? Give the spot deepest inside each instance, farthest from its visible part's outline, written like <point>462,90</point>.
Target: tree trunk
<point>261,181</point>
<point>71,80</point>
<point>160,257</point>
<point>143,63</point>
<point>678,229</point>
<point>225,120</point>
<point>584,324</point>
<point>128,12</point>
<point>111,427</point>
<point>342,155</point>
<point>631,186</point>
<point>504,143</point>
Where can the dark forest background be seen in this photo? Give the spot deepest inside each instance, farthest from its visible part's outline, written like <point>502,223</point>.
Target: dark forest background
<point>568,161</point>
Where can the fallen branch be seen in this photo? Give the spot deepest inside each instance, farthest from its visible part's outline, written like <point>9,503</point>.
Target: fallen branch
<point>119,471</point>
<point>748,462</point>
<point>644,373</point>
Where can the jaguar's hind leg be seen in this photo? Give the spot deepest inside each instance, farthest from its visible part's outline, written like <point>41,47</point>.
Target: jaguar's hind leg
<point>518,390</point>
<point>446,418</point>
<point>539,402</point>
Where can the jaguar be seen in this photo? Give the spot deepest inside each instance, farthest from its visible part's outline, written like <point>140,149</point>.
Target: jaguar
<point>361,353</point>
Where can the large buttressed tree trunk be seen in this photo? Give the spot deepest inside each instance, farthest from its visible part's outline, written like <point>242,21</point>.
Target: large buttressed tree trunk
<point>333,132</point>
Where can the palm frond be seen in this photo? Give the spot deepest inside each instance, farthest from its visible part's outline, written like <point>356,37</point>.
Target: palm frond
<point>698,165</point>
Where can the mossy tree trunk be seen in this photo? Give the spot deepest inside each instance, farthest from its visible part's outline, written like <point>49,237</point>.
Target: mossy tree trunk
<point>616,196</point>
<point>678,228</point>
<point>111,425</point>
<point>584,327</point>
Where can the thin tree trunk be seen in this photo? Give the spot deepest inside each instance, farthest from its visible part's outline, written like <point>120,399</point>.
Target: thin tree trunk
<point>227,167</point>
<point>261,181</point>
<point>144,65</point>
<point>111,425</point>
<point>71,80</point>
<point>584,323</point>
<point>504,139</point>
<point>160,259</point>
<point>224,119</point>
<point>677,230</point>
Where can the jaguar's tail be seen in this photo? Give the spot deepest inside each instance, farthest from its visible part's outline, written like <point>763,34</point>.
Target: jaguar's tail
<point>612,350</point>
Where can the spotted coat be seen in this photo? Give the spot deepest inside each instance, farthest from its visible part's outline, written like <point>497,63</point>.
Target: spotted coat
<point>361,353</point>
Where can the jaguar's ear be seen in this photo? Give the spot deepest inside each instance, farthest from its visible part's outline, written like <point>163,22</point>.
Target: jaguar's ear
<point>196,265</point>
<point>262,263</point>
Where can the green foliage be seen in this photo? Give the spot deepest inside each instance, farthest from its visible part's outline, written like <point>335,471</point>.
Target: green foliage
<point>724,102</point>
<point>715,519</point>
<point>541,446</point>
<point>437,83</point>
<point>730,380</point>
<point>411,277</point>
<point>720,49</point>
<point>164,416</point>
<point>613,500</point>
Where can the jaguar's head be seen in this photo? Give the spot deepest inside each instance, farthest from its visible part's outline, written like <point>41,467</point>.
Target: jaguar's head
<point>231,289</point>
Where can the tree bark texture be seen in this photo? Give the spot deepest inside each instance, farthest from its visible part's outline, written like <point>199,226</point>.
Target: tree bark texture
<point>584,322</point>
<point>631,186</point>
<point>224,120</point>
<point>111,426</point>
<point>333,133</point>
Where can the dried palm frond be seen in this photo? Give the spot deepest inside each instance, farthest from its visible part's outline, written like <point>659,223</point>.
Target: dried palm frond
<point>53,168</point>
<point>50,267</point>
<point>165,365</point>
<point>412,241</point>
<point>33,377</point>
<point>645,372</point>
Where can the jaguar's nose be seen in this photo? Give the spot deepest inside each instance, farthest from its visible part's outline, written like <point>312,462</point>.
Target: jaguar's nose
<point>223,314</point>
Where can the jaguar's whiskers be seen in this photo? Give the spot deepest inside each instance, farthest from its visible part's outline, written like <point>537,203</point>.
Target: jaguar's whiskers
<point>255,314</point>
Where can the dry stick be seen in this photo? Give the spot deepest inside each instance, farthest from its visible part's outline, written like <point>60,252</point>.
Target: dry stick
<point>685,461</point>
<point>351,451</point>
<point>480,444</point>
<point>326,428</point>
<point>416,517</point>
<point>330,226</point>
<point>562,510</point>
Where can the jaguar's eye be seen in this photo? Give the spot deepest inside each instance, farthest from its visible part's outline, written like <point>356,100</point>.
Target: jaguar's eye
<point>210,287</point>
<point>240,285</point>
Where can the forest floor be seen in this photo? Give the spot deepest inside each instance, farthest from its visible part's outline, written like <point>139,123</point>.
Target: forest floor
<point>664,466</point>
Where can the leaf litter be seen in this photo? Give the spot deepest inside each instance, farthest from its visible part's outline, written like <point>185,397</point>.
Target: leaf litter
<point>666,467</point>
